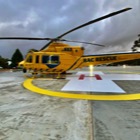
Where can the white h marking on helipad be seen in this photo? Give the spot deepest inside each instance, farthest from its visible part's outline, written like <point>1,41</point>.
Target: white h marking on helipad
<point>92,84</point>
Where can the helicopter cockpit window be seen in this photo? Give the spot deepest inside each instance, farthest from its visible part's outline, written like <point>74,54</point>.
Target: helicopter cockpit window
<point>55,59</point>
<point>45,59</point>
<point>50,59</point>
<point>30,59</point>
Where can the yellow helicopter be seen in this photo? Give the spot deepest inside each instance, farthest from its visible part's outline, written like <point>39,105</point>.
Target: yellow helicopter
<point>57,57</point>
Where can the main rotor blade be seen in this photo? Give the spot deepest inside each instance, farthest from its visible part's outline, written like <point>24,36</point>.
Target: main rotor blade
<point>39,38</point>
<point>82,42</point>
<point>88,23</point>
<point>95,20</point>
<point>25,38</point>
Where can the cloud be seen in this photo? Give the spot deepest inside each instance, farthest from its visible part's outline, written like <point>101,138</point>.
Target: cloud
<point>50,18</point>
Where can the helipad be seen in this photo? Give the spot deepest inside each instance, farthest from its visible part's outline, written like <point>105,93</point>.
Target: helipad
<point>98,82</point>
<point>82,82</point>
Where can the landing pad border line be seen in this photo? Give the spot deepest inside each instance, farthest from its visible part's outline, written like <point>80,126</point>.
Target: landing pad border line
<point>28,85</point>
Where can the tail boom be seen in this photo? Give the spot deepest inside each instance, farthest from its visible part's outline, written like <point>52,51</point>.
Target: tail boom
<point>87,60</point>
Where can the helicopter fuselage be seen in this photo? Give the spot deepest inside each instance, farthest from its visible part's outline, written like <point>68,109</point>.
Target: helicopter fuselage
<point>62,57</point>
<point>58,58</point>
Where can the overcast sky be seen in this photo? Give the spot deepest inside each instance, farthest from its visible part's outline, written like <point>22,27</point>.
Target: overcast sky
<point>50,18</point>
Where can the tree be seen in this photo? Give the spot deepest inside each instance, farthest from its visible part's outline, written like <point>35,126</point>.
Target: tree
<point>3,62</point>
<point>16,58</point>
<point>136,45</point>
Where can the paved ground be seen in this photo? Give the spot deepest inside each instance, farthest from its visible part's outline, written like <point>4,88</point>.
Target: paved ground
<point>118,120</point>
<point>30,116</point>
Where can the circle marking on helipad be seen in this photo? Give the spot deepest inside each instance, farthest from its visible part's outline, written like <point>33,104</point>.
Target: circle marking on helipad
<point>28,85</point>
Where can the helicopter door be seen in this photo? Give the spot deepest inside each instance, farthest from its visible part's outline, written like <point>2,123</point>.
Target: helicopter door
<point>51,60</point>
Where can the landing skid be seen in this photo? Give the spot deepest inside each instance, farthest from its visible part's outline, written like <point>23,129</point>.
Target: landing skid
<point>46,75</point>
